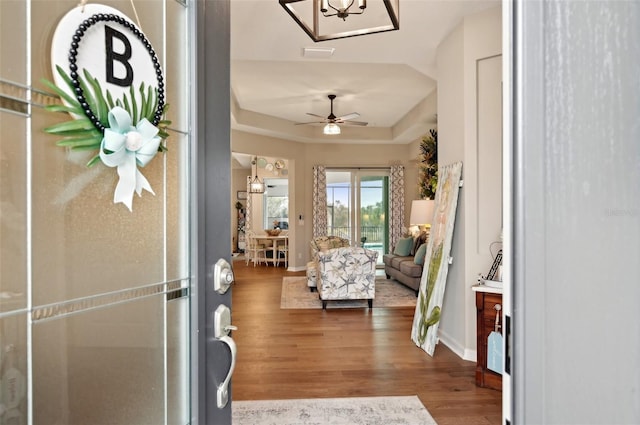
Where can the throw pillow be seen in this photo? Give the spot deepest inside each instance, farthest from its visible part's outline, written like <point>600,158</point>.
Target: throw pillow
<point>403,247</point>
<point>415,245</point>
<point>420,254</point>
<point>417,241</point>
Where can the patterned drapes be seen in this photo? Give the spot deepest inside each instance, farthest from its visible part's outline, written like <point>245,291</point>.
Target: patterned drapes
<point>247,221</point>
<point>319,201</point>
<point>396,204</point>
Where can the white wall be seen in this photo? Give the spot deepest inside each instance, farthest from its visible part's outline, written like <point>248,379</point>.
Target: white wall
<point>450,59</point>
<point>469,123</point>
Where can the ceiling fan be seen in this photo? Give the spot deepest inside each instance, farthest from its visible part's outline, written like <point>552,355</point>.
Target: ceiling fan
<point>332,121</point>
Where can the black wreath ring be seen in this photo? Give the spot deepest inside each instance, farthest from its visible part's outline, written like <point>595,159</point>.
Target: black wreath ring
<point>73,53</point>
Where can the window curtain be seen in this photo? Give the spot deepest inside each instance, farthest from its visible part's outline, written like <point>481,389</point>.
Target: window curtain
<point>247,221</point>
<point>319,201</point>
<point>396,207</point>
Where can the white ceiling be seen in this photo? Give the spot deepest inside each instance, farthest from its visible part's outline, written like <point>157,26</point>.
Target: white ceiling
<point>385,77</point>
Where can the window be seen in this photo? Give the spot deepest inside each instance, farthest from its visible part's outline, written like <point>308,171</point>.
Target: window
<point>357,207</point>
<point>276,204</point>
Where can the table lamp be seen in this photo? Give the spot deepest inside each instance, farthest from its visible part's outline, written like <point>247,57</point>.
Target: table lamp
<point>421,214</point>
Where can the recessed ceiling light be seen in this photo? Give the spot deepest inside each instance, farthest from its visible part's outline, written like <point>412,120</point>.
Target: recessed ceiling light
<point>318,52</point>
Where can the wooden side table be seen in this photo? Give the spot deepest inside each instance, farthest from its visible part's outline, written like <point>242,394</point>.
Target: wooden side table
<point>486,300</point>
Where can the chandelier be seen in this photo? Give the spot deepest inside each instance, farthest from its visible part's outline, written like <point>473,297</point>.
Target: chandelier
<point>342,8</point>
<point>256,186</point>
<point>318,17</point>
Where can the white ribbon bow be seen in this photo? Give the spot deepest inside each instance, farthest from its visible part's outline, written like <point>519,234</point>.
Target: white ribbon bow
<point>126,147</point>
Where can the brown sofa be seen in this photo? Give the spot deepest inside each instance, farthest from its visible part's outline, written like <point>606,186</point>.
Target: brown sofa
<point>403,267</point>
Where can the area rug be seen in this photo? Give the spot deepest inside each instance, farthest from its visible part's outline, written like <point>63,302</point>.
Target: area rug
<point>389,293</point>
<point>332,411</point>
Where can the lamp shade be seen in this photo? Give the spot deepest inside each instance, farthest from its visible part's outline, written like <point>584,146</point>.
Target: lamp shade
<point>421,212</point>
<point>331,129</point>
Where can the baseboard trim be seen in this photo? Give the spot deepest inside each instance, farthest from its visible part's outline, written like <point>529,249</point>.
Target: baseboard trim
<point>458,349</point>
<point>296,269</point>
<point>471,355</point>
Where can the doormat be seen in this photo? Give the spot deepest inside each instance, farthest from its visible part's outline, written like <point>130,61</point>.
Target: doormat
<point>332,411</point>
<point>389,293</point>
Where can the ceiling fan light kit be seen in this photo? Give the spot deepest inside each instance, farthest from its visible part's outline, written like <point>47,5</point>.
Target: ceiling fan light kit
<point>332,122</point>
<point>354,17</point>
<point>331,129</point>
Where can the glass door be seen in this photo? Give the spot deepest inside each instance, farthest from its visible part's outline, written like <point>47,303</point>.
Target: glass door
<point>94,305</point>
<point>358,207</point>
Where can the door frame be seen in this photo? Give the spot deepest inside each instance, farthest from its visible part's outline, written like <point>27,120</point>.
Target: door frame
<point>210,200</point>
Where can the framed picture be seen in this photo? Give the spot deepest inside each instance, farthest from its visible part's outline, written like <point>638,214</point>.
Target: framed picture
<point>497,262</point>
<point>426,320</point>
<point>242,194</point>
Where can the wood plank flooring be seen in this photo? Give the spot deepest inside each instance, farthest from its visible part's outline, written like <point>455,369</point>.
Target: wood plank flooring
<point>289,354</point>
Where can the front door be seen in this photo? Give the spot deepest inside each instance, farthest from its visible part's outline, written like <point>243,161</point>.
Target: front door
<point>106,312</point>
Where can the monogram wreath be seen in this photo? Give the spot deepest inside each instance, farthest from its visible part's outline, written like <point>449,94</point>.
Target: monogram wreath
<point>127,132</point>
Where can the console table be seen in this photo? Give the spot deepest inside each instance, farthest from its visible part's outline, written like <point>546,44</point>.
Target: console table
<point>486,300</point>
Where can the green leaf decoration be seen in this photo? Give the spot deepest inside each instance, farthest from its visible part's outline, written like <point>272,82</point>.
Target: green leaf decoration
<point>64,108</point>
<point>125,104</point>
<point>429,168</point>
<point>61,128</point>
<point>134,106</point>
<point>102,109</point>
<point>80,133</point>
<point>63,94</point>
<point>432,275</point>
<point>93,161</point>
<point>80,141</point>
<point>147,103</point>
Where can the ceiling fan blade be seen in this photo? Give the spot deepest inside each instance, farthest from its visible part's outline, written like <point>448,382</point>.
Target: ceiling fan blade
<point>348,116</point>
<point>311,122</point>
<point>315,115</point>
<point>352,123</point>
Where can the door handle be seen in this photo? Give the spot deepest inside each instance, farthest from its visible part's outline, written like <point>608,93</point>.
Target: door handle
<point>221,328</point>
<point>223,389</point>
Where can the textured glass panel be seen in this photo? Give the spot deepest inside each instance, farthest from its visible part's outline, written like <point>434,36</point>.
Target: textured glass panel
<point>178,361</point>
<point>13,207</point>
<point>103,366</point>
<point>13,41</point>
<point>13,369</point>
<point>100,246</point>
<point>177,201</point>
<point>109,364</point>
<point>176,71</point>
<point>151,21</point>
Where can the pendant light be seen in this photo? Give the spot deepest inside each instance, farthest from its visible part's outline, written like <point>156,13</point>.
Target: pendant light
<point>256,185</point>
<point>332,19</point>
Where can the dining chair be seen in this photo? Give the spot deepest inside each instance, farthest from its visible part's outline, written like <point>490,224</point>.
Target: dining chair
<point>256,252</point>
<point>283,252</point>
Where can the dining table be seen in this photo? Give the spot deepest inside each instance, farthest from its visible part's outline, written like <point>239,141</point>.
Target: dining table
<point>279,242</point>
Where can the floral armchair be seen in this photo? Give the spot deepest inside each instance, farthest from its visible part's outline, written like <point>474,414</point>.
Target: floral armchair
<point>324,243</point>
<point>347,273</point>
<point>321,243</point>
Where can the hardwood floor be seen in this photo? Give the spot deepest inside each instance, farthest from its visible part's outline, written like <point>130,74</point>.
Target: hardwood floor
<point>289,354</point>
